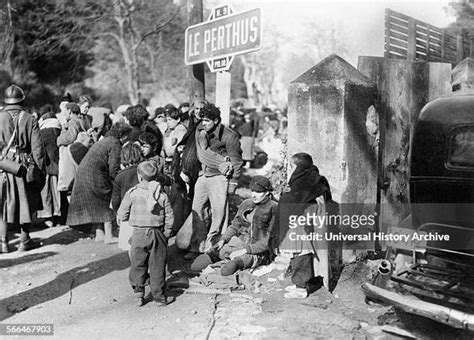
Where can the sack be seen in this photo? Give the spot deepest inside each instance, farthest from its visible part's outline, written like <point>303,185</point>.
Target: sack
<point>6,164</point>
<point>10,166</point>
<point>301,270</point>
<point>33,175</point>
<point>183,237</point>
<point>67,168</point>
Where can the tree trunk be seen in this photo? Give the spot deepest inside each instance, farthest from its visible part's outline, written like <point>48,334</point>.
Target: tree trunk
<point>128,54</point>
<point>8,39</point>
<point>250,76</point>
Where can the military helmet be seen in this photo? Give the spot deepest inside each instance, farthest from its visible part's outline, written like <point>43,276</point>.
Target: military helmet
<point>14,95</point>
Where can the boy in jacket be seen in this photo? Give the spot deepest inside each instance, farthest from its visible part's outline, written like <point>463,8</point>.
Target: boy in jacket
<point>245,242</point>
<point>147,209</point>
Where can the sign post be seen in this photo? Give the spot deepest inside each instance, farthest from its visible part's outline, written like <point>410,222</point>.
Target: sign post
<point>217,41</point>
<point>223,95</point>
<point>195,72</point>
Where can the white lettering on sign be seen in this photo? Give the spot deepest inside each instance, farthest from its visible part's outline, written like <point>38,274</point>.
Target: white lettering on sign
<point>207,39</point>
<point>220,37</point>
<point>253,29</point>
<point>194,46</point>
<point>213,39</point>
<point>235,33</point>
<point>226,36</point>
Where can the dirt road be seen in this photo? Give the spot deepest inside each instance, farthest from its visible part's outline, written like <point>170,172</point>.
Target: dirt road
<point>81,287</point>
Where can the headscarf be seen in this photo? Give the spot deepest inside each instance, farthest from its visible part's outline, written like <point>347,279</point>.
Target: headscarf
<point>306,184</point>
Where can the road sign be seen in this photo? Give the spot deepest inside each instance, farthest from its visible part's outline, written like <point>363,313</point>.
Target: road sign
<point>221,38</point>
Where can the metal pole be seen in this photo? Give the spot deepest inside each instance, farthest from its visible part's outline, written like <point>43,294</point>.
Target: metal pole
<point>196,72</point>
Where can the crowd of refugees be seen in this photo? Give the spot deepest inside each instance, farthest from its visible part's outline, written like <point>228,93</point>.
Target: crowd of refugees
<point>151,174</point>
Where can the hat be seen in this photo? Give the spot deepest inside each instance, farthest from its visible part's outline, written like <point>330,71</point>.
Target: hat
<point>248,106</point>
<point>260,184</point>
<point>14,95</point>
<point>66,98</point>
<point>148,170</point>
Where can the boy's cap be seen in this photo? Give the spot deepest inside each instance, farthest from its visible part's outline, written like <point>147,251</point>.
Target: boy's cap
<point>66,98</point>
<point>260,184</point>
<point>148,170</point>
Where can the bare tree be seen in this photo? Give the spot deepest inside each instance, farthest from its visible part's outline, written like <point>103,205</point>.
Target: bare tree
<point>260,70</point>
<point>136,27</point>
<point>6,35</point>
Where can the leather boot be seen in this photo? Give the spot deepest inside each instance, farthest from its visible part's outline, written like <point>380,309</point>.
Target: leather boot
<point>27,245</point>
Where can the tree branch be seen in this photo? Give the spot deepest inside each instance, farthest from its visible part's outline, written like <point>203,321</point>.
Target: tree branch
<point>154,30</point>
<point>108,34</point>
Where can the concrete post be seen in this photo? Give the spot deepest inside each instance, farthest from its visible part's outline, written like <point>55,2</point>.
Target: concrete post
<point>331,116</point>
<point>196,78</point>
<point>328,108</point>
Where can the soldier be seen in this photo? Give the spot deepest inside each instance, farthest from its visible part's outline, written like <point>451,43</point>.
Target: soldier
<point>20,193</point>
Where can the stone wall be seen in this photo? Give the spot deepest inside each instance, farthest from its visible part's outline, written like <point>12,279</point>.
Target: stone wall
<point>403,88</point>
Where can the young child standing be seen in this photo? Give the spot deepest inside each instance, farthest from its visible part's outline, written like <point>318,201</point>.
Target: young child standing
<point>148,210</point>
<point>130,157</point>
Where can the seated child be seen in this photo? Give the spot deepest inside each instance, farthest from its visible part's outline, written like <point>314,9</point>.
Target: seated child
<point>147,209</point>
<point>245,242</point>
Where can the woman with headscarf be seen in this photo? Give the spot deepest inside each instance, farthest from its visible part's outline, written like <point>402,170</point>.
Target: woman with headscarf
<point>92,190</point>
<point>308,195</point>
<point>306,187</point>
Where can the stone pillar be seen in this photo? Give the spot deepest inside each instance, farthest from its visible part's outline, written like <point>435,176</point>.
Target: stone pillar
<point>403,88</point>
<point>331,116</point>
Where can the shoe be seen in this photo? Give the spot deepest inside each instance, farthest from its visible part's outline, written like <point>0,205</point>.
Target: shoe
<point>49,223</point>
<point>162,301</point>
<point>4,248</point>
<point>191,255</point>
<point>112,240</point>
<point>27,245</point>
<point>99,235</point>
<point>140,295</point>
<point>200,262</point>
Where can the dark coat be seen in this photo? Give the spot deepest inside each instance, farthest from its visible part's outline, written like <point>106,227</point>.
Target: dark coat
<point>256,235</point>
<point>134,134</point>
<point>190,163</point>
<point>125,179</point>
<point>92,190</point>
<point>18,200</point>
<point>50,130</point>
<point>305,186</point>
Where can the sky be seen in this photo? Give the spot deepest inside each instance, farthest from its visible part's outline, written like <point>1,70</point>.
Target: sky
<point>361,21</point>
